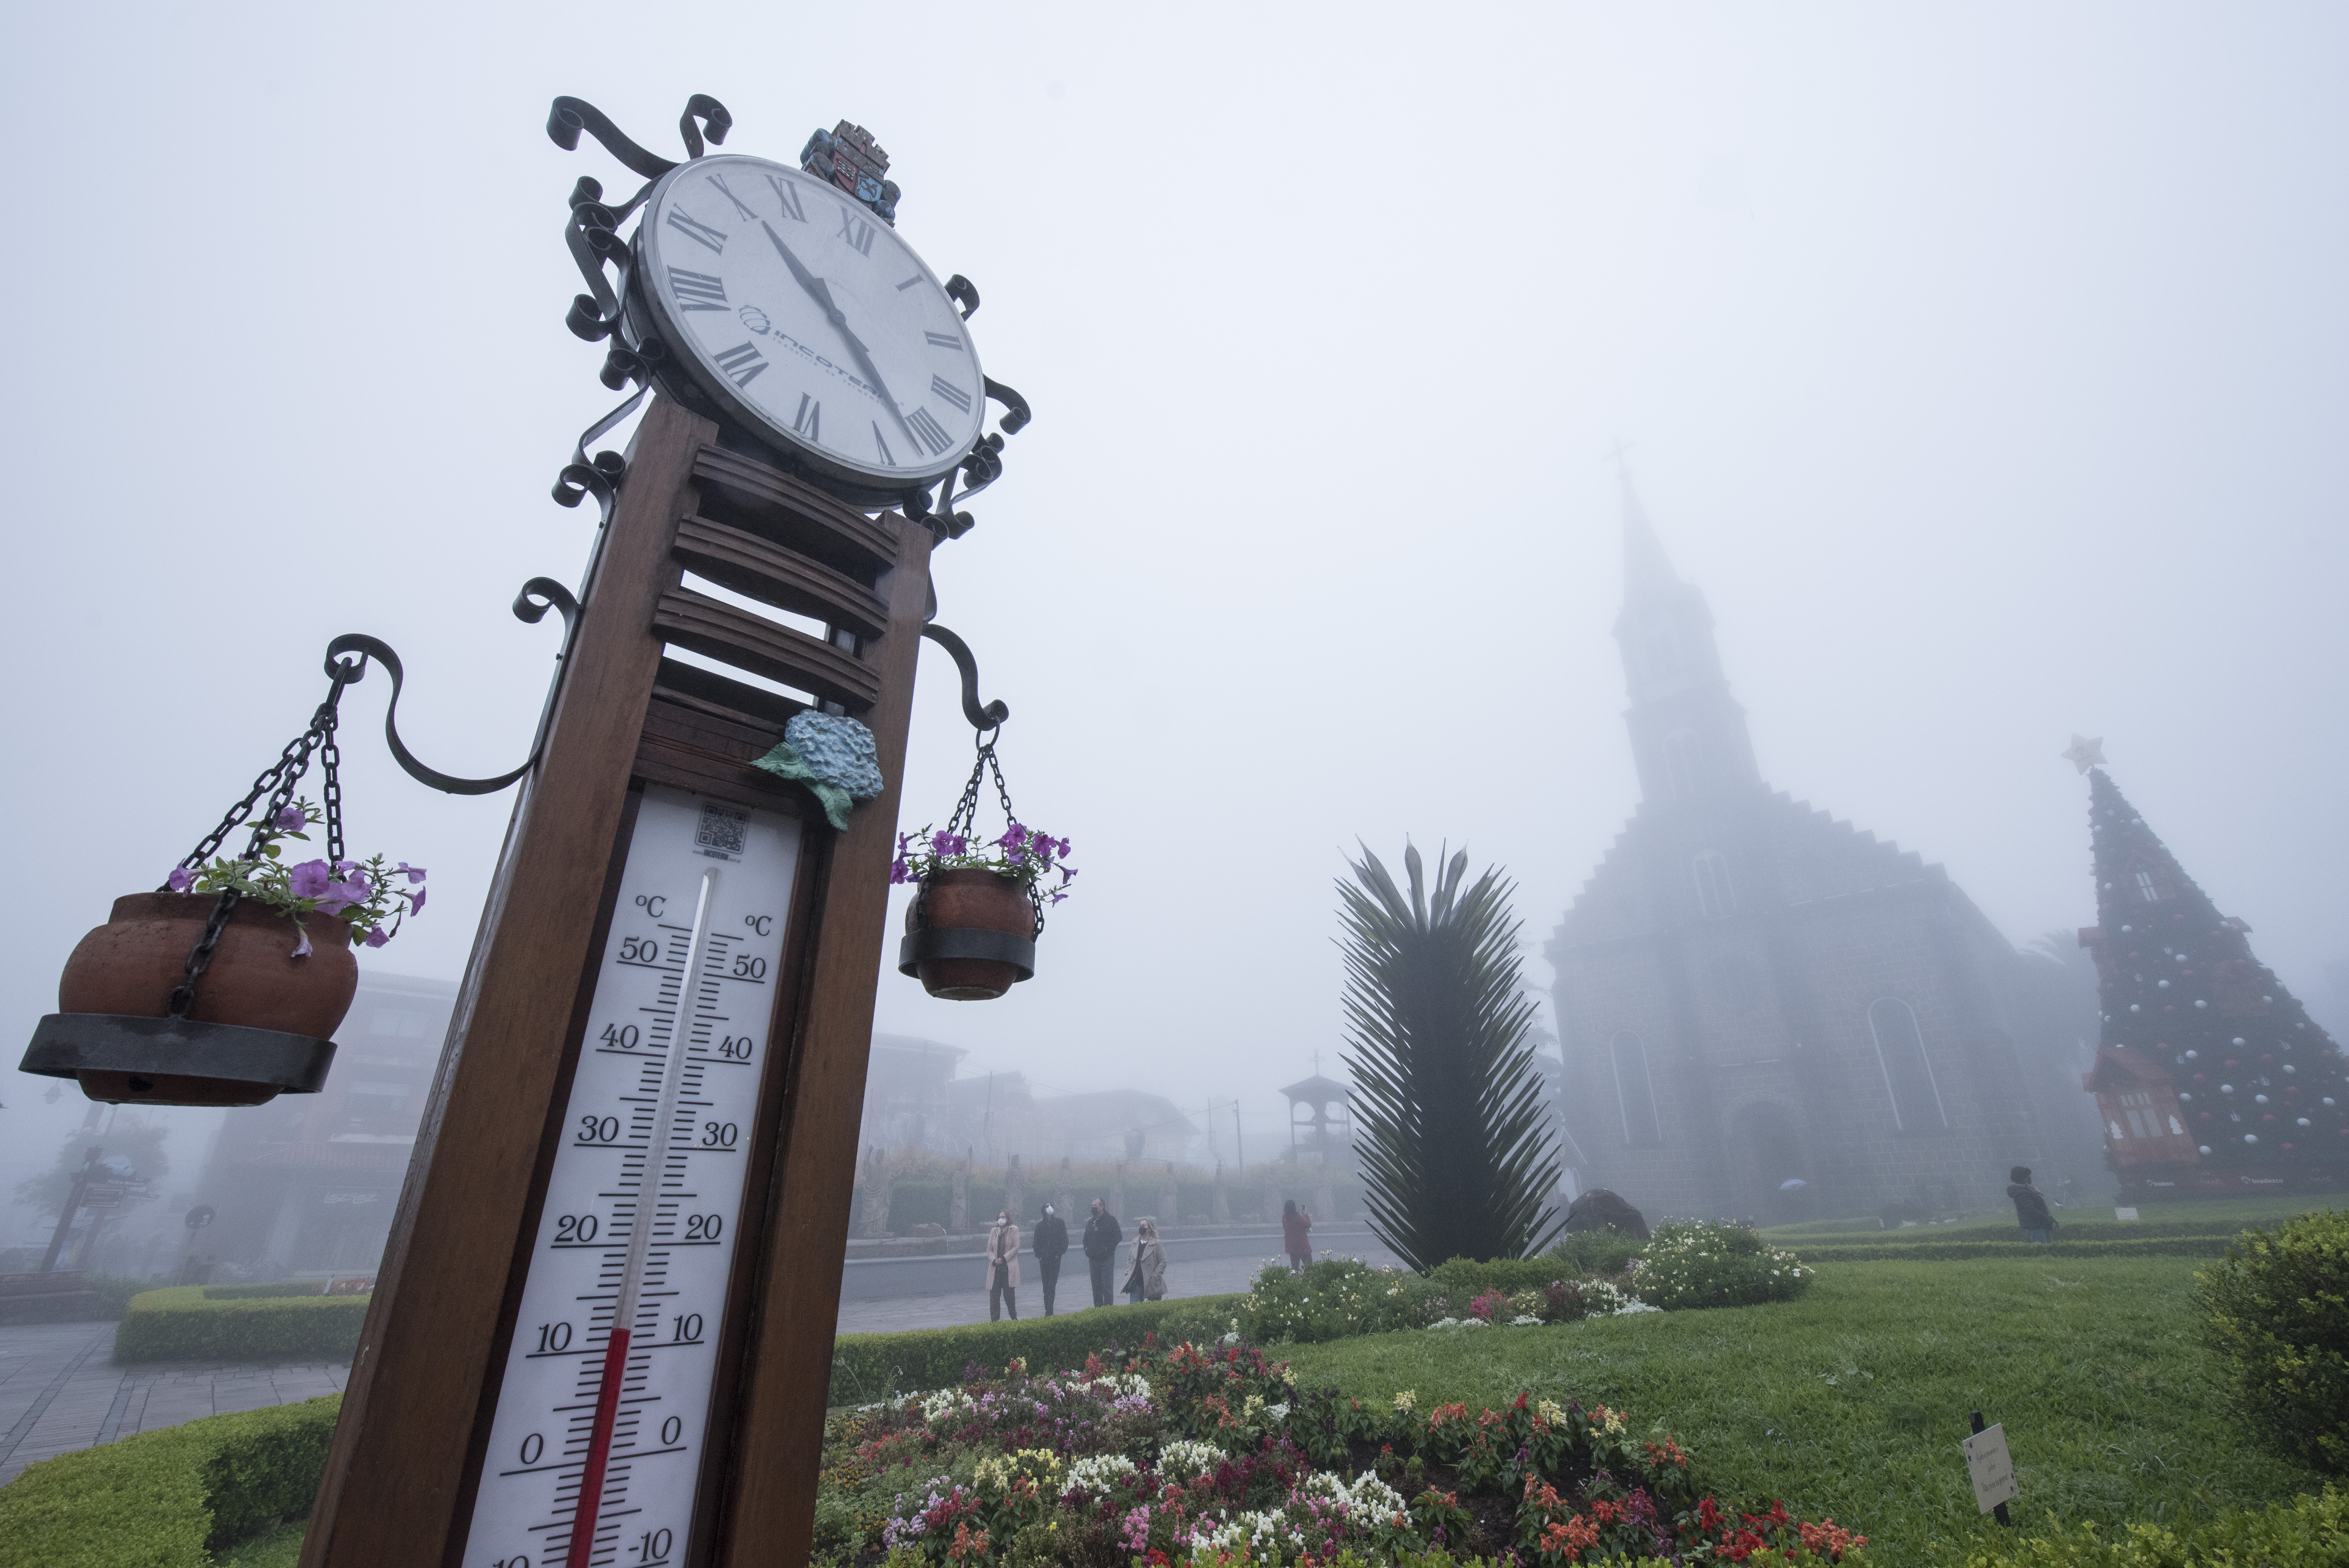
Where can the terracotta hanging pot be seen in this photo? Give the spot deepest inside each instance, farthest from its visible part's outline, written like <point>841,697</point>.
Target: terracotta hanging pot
<point>970,936</point>
<point>262,1017</point>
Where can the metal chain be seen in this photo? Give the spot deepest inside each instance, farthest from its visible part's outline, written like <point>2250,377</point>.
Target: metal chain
<point>965,819</point>
<point>277,781</point>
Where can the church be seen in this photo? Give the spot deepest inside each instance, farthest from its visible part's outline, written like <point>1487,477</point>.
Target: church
<point>1766,1013</point>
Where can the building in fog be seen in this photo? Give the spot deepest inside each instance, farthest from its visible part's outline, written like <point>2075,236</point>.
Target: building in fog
<point>306,1185</point>
<point>913,1102</point>
<point>1751,994</point>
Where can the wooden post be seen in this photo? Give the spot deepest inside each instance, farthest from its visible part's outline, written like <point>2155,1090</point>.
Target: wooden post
<point>401,1475</point>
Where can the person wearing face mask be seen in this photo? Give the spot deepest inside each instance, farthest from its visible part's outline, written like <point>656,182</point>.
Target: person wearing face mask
<point>1003,1268</point>
<point>1051,1244</point>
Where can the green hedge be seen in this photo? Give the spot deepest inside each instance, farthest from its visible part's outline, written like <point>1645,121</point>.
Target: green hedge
<point>178,1324</point>
<point>2306,1533</point>
<point>868,1366</point>
<point>1955,1251</point>
<point>169,1499</point>
<point>2276,1308</point>
<point>261,1292</point>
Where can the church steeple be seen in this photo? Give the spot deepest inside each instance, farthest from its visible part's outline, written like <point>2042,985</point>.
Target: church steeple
<point>1687,734</point>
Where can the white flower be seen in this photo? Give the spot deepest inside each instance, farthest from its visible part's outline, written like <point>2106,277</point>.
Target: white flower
<point>1097,1472</point>
<point>1521,1321</point>
<point>1187,1458</point>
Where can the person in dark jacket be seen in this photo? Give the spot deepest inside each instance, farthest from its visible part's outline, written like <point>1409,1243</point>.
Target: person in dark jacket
<point>2030,1206</point>
<point>1050,1242</point>
<point>1101,1237</point>
<point>1296,1233</point>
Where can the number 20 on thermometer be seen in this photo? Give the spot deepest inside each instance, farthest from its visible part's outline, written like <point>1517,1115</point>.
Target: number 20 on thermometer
<point>596,1446</point>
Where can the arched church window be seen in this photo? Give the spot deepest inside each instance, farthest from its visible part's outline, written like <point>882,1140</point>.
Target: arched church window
<point>1680,770</point>
<point>1908,1075</point>
<point>2147,888</point>
<point>1716,898</point>
<point>1635,1094</point>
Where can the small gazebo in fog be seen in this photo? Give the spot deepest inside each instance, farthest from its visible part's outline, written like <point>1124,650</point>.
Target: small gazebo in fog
<point>1319,1118</point>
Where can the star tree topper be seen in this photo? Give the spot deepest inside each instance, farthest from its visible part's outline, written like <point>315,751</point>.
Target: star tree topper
<point>2084,753</point>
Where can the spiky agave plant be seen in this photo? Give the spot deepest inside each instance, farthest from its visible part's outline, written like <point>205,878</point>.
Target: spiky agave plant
<point>1457,1159</point>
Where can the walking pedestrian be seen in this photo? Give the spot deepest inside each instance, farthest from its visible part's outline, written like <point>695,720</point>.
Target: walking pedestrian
<point>1101,1237</point>
<point>2030,1206</point>
<point>1296,1233</point>
<point>1051,1243</point>
<point>1149,1276</point>
<point>1003,1268</point>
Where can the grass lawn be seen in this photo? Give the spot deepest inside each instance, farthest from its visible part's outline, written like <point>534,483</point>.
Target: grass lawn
<point>1852,1401</point>
<point>2215,1214</point>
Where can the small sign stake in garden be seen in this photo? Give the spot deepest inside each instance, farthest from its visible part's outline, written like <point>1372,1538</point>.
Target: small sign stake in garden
<point>1992,1468</point>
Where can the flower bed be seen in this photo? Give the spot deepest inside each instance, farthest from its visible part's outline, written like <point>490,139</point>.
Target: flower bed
<point>1341,1298</point>
<point>1187,1456</point>
<point>1714,1262</point>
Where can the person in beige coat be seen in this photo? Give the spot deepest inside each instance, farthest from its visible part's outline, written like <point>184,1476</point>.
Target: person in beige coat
<point>1148,1280</point>
<point>1003,1268</point>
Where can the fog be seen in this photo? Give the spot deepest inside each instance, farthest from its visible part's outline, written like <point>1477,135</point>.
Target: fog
<point>1985,366</point>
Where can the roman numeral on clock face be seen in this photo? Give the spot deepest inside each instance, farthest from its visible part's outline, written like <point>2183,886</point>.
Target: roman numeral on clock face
<point>742,363</point>
<point>693,229</point>
<point>788,199</point>
<point>697,291</point>
<point>949,393</point>
<point>909,283</point>
<point>719,180</point>
<point>809,420</point>
<point>943,340</point>
<point>928,432</point>
<point>856,231</point>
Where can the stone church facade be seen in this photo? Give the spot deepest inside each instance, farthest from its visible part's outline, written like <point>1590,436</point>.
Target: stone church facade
<point>1750,993</point>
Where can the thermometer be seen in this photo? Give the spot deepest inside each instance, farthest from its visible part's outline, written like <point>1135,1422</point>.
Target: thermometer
<point>596,1449</point>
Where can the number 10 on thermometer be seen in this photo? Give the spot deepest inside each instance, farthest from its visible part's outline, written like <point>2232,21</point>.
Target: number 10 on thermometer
<point>596,1446</point>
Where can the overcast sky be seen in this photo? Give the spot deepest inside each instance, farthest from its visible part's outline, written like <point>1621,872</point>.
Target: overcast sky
<point>1984,364</point>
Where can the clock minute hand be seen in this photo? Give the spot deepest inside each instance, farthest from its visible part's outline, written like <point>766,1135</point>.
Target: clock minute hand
<point>820,292</point>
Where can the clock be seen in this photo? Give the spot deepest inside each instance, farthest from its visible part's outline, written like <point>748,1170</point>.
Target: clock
<point>791,309</point>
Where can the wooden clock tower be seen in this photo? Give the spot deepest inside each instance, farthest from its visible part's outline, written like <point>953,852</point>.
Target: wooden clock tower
<point>601,1332</point>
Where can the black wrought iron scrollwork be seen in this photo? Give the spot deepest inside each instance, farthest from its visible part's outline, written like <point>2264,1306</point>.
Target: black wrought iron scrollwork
<point>592,233</point>
<point>1015,412</point>
<point>958,288</point>
<point>983,716</point>
<point>538,596</point>
<point>570,116</point>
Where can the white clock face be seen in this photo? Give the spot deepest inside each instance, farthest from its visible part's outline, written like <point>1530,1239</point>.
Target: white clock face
<point>804,314</point>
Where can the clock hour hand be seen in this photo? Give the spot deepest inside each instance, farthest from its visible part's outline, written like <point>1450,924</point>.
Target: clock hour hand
<point>820,292</point>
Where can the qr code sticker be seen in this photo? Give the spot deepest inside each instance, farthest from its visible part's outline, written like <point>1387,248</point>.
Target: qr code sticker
<point>723,832</point>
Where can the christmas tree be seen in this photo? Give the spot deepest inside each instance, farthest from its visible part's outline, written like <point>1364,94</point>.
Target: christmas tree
<point>2261,1086</point>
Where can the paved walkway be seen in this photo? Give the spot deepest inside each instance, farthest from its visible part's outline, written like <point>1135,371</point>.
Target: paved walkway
<point>60,1390</point>
<point>1205,1276</point>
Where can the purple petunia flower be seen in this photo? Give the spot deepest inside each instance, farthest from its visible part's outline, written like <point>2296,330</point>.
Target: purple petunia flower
<point>340,895</point>
<point>415,873</point>
<point>416,900</point>
<point>376,938</point>
<point>290,819</point>
<point>304,950</point>
<point>180,879</point>
<point>899,871</point>
<point>310,879</point>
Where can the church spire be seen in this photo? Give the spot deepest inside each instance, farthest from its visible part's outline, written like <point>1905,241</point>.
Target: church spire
<point>1687,734</point>
<point>1647,571</point>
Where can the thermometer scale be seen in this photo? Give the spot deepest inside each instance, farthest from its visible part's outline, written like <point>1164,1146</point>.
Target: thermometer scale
<point>596,1449</point>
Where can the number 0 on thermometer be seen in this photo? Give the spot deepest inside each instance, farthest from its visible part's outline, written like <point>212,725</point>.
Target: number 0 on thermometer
<point>597,1443</point>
